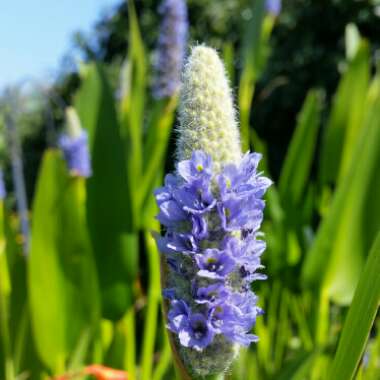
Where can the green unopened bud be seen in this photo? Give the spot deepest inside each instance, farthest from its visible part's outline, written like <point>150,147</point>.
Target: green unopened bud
<point>207,115</point>
<point>73,124</point>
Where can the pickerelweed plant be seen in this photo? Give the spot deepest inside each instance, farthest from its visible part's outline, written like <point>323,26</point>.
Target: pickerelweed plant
<point>211,209</point>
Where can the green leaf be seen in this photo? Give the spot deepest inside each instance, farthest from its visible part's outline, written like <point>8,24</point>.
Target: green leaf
<point>337,255</point>
<point>253,57</point>
<point>132,111</point>
<point>359,320</point>
<point>61,271</point>
<point>346,115</point>
<point>5,284</point>
<point>5,291</point>
<point>297,368</point>
<point>299,158</point>
<point>228,59</point>
<point>110,218</point>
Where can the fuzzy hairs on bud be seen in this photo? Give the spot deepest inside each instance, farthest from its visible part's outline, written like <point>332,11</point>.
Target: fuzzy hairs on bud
<point>207,115</point>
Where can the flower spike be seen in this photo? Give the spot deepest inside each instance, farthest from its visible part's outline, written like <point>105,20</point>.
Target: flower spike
<point>211,210</point>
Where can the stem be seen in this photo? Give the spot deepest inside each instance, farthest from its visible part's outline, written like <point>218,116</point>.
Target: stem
<point>323,319</point>
<point>130,354</point>
<point>18,180</point>
<point>4,328</point>
<point>154,297</point>
<point>165,359</point>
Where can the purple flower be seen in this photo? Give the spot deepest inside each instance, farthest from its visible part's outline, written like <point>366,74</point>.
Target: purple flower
<point>178,315</point>
<point>273,7</point>
<point>212,244</point>
<point>214,264</point>
<point>165,193</point>
<point>238,334</point>
<point>237,214</point>
<point>235,316</point>
<point>211,294</point>
<point>171,213</point>
<point>193,201</point>
<point>245,308</point>
<point>196,332</point>
<point>75,151</point>
<point>169,294</point>
<point>243,181</point>
<point>177,243</point>
<point>198,168</point>
<point>199,226</point>
<point>247,254</point>
<point>171,48</point>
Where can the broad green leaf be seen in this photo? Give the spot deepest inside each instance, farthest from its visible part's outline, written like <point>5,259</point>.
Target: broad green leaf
<point>253,56</point>
<point>359,320</point>
<point>299,158</point>
<point>7,370</point>
<point>109,200</point>
<point>295,174</point>
<point>132,110</point>
<point>61,272</point>
<point>346,116</point>
<point>336,258</point>
<point>23,350</point>
<point>5,285</point>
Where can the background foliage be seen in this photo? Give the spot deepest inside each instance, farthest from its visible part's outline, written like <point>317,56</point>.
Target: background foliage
<point>309,97</point>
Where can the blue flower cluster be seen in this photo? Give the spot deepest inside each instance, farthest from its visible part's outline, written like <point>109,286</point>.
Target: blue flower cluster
<point>75,151</point>
<point>212,245</point>
<point>171,48</point>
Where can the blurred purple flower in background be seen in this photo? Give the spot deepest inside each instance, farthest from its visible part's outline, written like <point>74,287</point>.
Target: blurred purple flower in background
<point>74,145</point>
<point>171,48</point>
<point>273,7</point>
<point>3,192</point>
<point>75,151</point>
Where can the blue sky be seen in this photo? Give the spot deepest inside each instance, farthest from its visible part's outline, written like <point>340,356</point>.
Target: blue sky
<point>35,34</point>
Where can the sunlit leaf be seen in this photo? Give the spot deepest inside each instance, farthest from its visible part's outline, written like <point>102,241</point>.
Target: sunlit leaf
<point>359,320</point>
<point>109,201</point>
<point>345,119</point>
<point>336,258</point>
<point>296,169</point>
<point>61,272</point>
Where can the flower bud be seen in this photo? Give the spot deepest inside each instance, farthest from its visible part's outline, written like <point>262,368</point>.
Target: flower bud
<point>206,114</point>
<point>74,145</point>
